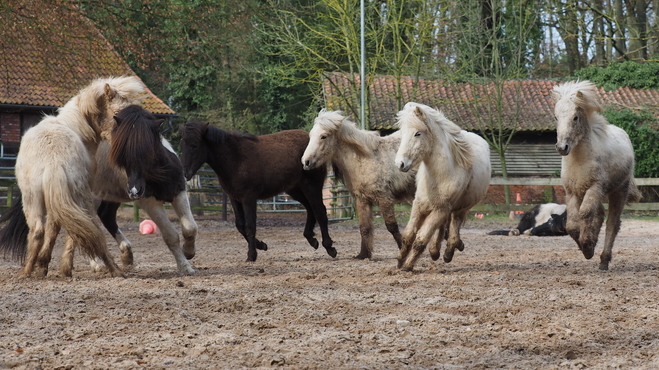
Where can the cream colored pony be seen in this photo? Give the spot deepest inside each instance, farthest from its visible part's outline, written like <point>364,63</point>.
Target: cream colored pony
<point>454,174</point>
<point>54,170</point>
<point>365,162</point>
<point>598,164</point>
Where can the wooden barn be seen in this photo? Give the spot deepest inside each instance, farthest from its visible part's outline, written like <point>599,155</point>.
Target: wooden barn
<point>47,54</point>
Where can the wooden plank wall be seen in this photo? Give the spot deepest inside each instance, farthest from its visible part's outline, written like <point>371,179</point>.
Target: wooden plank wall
<point>528,159</point>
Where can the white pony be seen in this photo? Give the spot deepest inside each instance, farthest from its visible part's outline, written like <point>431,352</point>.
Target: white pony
<point>454,175</point>
<point>365,162</point>
<point>598,163</point>
<point>54,170</point>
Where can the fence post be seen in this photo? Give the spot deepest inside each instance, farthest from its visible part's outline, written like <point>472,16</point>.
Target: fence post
<point>136,212</point>
<point>224,206</point>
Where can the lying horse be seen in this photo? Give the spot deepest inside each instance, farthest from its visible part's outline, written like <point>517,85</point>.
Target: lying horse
<point>252,167</point>
<point>542,220</point>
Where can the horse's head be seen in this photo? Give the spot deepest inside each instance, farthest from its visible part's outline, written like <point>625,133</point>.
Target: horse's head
<point>193,147</point>
<point>574,104</point>
<point>322,139</point>
<point>416,136</point>
<point>135,146</point>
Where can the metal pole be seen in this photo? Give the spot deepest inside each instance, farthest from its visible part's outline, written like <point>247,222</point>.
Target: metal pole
<point>363,69</point>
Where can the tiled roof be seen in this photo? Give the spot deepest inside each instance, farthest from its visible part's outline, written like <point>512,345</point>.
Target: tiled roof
<point>48,53</point>
<point>466,104</point>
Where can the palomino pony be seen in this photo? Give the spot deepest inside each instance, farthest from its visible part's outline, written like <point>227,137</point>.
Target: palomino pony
<point>598,164</point>
<point>140,165</point>
<point>256,167</point>
<point>54,170</point>
<point>365,162</point>
<point>454,174</point>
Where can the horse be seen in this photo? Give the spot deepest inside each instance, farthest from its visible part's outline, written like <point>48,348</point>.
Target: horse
<point>453,176</point>
<point>251,167</point>
<point>546,219</point>
<point>110,184</point>
<point>364,161</point>
<point>139,165</point>
<point>54,170</point>
<point>597,164</point>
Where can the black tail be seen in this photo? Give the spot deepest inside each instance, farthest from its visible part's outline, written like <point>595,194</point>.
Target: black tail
<point>494,232</point>
<point>13,237</point>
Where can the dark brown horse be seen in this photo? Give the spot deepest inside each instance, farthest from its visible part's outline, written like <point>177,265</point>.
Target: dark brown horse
<point>256,167</point>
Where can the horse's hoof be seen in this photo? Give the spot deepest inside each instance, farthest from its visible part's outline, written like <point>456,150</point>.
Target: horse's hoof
<point>188,255</point>
<point>448,255</point>
<point>407,268</point>
<point>331,251</point>
<point>400,263</point>
<point>261,245</point>
<point>435,255</point>
<point>460,246</point>
<point>588,250</point>
<point>127,259</point>
<point>363,255</point>
<point>604,266</point>
<point>313,242</point>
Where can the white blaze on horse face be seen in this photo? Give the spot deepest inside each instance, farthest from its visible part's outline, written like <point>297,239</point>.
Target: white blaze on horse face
<point>318,150</point>
<point>568,121</point>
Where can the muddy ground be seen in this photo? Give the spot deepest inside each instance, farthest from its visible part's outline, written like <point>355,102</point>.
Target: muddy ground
<point>505,302</point>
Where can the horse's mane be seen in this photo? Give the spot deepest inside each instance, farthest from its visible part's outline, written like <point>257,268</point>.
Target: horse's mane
<point>581,93</point>
<point>135,142</point>
<point>87,111</point>
<point>364,141</point>
<point>457,144</point>
<point>213,135</point>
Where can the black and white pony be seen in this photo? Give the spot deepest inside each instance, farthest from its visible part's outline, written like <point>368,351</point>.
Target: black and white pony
<point>542,220</point>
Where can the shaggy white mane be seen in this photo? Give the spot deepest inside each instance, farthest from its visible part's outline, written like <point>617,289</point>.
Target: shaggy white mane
<point>582,93</point>
<point>334,121</point>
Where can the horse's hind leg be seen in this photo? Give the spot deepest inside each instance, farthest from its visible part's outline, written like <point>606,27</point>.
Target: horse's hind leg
<point>107,212</point>
<point>312,199</point>
<point>46,252</point>
<point>155,210</point>
<point>181,205</point>
<point>34,214</point>
<point>440,236</point>
<point>454,241</point>
<point>616,205</point>
<point>417,219</point>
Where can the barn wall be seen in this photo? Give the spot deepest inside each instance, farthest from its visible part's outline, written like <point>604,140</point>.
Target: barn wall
<point>528,160</point>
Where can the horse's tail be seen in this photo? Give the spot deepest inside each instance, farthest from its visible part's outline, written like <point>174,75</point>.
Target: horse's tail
<point>633,195</point>
<point>60,195</point>
<point>13,237</point>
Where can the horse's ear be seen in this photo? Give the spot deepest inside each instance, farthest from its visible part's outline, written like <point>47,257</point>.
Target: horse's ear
<point>160,122</point>
<point>109,92</point>
<point>418,112</point>
<point>118,120</point>
<point>555,96</point>
<point>579,94</point>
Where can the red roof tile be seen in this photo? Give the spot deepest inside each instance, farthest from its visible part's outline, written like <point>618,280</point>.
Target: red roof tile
<point>466,104</point>
<point>48,53</point>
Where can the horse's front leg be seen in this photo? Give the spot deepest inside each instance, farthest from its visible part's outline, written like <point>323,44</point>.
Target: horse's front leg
<point>389,215</point>
<point>365,213</point>
<point>417,218</point>
<point>454,241</point>
<point>107,212</point>
<point>591,216</point>
<point>154,208</point>
<point>430,226</point>
<point>573,222</point>
<point>181,205</point>
<point>313,203</point>
<point>249,209</point>
<point>617,202</point>
<point>239,213</point>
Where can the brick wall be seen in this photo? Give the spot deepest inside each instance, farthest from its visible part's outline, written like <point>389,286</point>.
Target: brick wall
<point>10,127</point>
